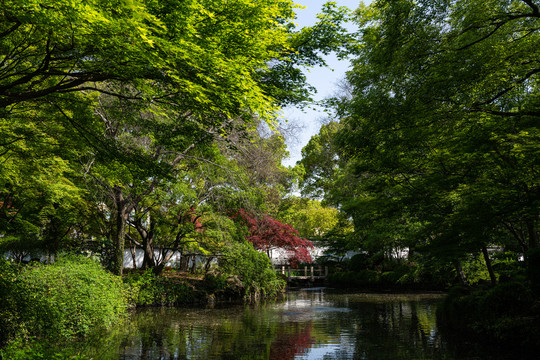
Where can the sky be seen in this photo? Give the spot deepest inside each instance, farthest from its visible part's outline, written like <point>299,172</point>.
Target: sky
<point>323,79</point>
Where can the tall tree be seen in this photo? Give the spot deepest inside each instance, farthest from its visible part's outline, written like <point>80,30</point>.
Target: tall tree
<point>440,132</point>
<point>179,72</point>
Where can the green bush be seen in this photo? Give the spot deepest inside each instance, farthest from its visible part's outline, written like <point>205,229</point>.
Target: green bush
<point>351,279</point>
<point>506,299</point>
<point>390,278</point>
<point>9,317</point>
<point>376,260</point>
<point>366,277</point>
<point>507,266</point>
<point>143,288</point>
<point>253,268</point>
<point>213,282</point>
<point>23,350</point>
<point>147,289</point>
<point>335,278</point>
<point>475,270</point>
<point>68,298</point>
<point>429,273</point>
<point>358,262</point>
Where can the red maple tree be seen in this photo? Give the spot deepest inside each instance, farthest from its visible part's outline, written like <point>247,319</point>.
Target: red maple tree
<point>267,233</point>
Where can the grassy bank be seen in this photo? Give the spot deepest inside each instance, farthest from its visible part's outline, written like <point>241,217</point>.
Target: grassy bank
<point>54,303</point>
<point>43,305</point>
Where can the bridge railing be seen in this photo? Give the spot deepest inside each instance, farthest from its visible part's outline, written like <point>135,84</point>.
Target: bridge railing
<point>306,272</point>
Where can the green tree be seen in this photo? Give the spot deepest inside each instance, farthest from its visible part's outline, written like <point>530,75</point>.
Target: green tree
<point>439,135</point>
<point>312,220</point>
<point>132,89</point>
<point>320,162</point>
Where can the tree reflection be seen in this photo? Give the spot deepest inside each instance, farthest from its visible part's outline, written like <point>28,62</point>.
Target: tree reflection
<point>220,334</point>
<point>309,326</point>
<point>291,340</point>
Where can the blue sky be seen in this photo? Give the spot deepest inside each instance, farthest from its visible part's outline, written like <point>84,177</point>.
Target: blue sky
<point>324,79</point>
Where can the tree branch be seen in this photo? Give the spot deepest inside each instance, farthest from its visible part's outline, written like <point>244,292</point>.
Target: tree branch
<point>11,29</point>
<point>534,7</point>
<point>508,113</point>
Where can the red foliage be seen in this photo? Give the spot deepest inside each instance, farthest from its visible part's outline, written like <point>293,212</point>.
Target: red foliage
<point>191,216</point>
<point>9,210</point>
<point>291,341</point>
<point>268,233</point>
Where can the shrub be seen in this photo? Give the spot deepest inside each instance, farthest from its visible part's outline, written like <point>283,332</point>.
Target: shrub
<point>390,278</point>
<point>358,262</point>
<point>9,317</point>
<point>506,299</point>
<point>366,277</point>
<point>142,288</point>
<point>68,298</point>
<point>253,268</point>
<point>351,279</point>
<point>335,278</point>
<point>376,260</point>
<point>146,289</point>
<point>507,266</point>
<point>213,282</point>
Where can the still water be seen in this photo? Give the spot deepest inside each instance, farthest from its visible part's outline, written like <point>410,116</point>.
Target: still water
<point>308,324</point>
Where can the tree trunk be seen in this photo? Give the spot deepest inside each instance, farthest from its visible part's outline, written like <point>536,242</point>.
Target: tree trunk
<point>533,234</point>
<point>147,237</point>
<point>489,267</point>
<point>461,274</point>
<point>167,255</point>
<point>119,232</point>
<point>149,259</point>
<point>208,263</point>
<point>158,269</point>
<point>194,264</point>
<point>134,256</point>
<point>184,262</point>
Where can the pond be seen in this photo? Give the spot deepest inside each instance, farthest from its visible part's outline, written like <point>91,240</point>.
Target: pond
<point>308,324</point>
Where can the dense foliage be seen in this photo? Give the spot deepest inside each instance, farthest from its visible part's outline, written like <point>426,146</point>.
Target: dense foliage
<point>138,125</point>
<point>69,298</point>
<point>433,152</point>
<point>148,289</point>
<point>253,269</point>
<point>118,118</point>
<point>267,233</point>
<point>433,148</point>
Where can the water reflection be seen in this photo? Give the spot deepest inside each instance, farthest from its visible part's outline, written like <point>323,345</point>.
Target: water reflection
<point>308,325</point>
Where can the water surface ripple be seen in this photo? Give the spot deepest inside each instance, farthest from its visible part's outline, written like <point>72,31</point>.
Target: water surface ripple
<point>308,324</point>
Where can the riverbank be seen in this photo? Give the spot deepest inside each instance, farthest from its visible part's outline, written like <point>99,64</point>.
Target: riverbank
<point>75,297</point>
<point>63,303</point>
<point>177,288</point>
<point>69,299</point>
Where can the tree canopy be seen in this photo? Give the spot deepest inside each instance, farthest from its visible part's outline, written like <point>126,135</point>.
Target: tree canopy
<point>436,148</point>
<point>119,116</point>
<point>267,233</point>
